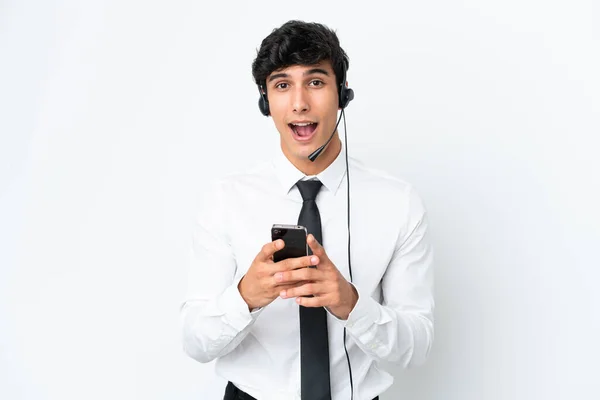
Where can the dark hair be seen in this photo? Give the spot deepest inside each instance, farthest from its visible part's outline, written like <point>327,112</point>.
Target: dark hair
<point>299,43</point>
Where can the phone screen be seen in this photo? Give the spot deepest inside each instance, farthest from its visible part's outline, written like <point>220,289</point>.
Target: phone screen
<point>294,237</point>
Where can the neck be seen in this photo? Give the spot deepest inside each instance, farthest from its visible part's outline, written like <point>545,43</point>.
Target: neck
<point>322,162</point>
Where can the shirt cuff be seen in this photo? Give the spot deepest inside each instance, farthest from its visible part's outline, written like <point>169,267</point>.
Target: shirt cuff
<point>365,313</point>
<point>236,309</point>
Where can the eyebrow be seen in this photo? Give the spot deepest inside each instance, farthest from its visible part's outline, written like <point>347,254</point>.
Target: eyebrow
<point>309,72</point>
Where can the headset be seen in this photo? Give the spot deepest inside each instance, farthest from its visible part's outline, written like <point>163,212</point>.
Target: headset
<point>345,97</point>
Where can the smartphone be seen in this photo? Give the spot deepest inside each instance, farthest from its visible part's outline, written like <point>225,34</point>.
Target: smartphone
<point>294,237</point>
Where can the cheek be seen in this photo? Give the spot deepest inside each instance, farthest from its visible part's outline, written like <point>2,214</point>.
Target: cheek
<point>329,104</point>
<point>280,124</point>
<point>277,114</point>
<point>278,111</point>
<point>329,112</point>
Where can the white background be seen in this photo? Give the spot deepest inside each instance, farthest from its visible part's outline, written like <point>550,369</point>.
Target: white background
<point>113,114</point>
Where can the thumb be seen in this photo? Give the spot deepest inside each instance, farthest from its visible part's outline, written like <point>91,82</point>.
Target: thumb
<point>317,249</point>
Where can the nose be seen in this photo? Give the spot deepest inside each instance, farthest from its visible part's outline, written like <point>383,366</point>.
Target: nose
<point>300,101</point>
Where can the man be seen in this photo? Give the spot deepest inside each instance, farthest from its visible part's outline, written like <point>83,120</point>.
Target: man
<point>282,331</point>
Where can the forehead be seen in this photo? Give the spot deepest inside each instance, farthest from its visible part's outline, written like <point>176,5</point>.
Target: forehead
<point>299,71</point>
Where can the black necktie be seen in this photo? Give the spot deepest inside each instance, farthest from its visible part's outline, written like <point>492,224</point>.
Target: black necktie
<point>314,344</point>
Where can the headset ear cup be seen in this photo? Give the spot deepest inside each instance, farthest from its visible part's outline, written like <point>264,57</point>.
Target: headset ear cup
<point>346,96</point>
<point>350,95</point>
<point>263,105</point>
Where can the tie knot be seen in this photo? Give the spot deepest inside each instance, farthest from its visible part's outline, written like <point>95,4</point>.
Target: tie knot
<point>309,189</point>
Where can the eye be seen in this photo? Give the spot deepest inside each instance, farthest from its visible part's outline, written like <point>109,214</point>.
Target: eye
<point>316,82</point>
<point>281,85</point>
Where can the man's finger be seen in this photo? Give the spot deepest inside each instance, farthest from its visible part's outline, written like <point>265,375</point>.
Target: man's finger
<point>316,247</point>
<point>308,288</point>
<point>301,274</point>
<point>297,262</point>
<point>317,301</point>
<point>288,285</point>
<point>269,249</point>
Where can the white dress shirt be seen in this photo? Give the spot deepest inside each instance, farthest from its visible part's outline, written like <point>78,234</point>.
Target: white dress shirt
<point>392,270</point>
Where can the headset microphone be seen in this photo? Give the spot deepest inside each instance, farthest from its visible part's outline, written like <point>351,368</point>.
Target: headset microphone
<point>313,156</point>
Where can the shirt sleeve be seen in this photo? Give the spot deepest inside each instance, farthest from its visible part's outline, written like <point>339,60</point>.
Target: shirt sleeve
<point>214,316</point>
<point>400,329</point>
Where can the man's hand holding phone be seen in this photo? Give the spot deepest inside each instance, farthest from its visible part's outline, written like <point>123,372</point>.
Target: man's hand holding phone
<point>326,283</point>
<point>265,280</point>
<point>259,286</point>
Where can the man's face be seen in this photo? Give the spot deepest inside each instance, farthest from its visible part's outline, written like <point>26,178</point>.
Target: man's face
<point>303,100</point>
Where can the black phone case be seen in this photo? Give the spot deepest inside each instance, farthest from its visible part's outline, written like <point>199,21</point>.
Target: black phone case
<point>294,237</point>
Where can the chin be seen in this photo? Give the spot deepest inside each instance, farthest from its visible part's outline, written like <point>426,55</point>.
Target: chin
<point>300,153</point>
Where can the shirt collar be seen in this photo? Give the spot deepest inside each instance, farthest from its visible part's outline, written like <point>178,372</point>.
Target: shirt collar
<point>287,174</point>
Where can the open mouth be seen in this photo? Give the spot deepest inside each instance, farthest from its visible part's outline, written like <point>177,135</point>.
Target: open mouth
<point>303,131</point>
